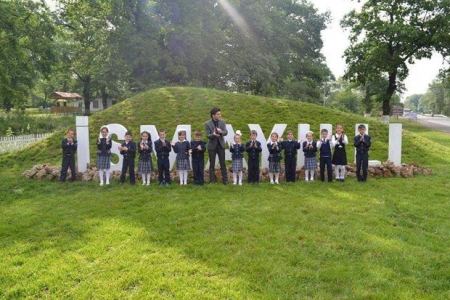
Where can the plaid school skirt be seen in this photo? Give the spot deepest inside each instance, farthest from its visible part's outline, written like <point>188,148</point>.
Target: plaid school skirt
<point>274,167</point>
<point>237,165</point>
<point>103,162</point>
<point>310,163</point>
<point>145,166</point>
<point>183,164</point>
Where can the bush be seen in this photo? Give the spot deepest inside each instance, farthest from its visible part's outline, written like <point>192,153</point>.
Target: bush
<point>20,123</point>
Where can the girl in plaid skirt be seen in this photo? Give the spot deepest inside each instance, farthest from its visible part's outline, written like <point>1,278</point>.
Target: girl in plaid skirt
<point>104,155</point>
<point>145,166</point>
<point>182,148</point>
<point>310,150</point>
<point>237,155</point>
<point>274,158</point>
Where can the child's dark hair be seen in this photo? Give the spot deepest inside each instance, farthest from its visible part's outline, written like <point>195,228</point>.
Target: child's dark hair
<point>289,131</point>
<point>198,133</point>
<point>324,130</point>
<point>254,132</point>
<point>181,132</point>
<point>361,126</point>
<point>161,131</point>
<point>128,133</point>
<point>70,131</point>
<point>104,128</point>
<point>274,133</point>
<point>214,111</point>
<point>148,134</point>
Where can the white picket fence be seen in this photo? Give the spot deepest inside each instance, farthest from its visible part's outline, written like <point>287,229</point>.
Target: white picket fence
<point>14,143</point>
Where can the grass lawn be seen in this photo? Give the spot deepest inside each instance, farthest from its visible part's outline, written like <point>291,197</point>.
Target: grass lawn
<point>386,239</point>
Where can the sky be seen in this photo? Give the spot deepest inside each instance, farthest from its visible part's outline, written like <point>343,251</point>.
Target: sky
<point>336,41</point>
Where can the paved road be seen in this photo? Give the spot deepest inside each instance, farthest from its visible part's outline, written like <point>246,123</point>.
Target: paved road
<point>437,123</point>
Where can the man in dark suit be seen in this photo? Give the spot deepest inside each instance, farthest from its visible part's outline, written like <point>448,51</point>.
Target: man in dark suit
<point>215,131</point>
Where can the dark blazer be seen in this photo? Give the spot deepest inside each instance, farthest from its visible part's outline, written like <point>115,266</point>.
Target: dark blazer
<point>198,154</point>
<point>290,148</point>
<point>237,151</point>
<point>131,153</point>
<point>213,140</point>
<point>310,152</point>
<point>253,152</point>
<point>104,148</point>
<point>275,153</point>
<point>162,152</point>
<point>145,154</point>
<point>364,145</point>
<point>182,149</point>
<point>69,150</point>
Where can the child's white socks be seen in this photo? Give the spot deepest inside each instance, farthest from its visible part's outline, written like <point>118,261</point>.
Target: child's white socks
<point>100,176</point>
<point>108,175</point>
<point>277,177</point>
<point>306,175</point>
<point>149,176</point>
<point>271,177</point>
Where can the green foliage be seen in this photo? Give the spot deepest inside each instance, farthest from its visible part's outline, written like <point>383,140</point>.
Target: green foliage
<point>437,99</point>
<point>412,102</point>
<point>17,123</point>
<point>27,49</point>
<point>386,35</point>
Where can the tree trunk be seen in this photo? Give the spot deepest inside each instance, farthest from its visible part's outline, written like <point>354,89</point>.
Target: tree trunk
<point>392,87</point>
<point>104,97</point>
<point>368,101</point>
<point>87,95</point>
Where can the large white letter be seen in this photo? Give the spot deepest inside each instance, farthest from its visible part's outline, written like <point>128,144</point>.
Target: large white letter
<point>395,143</point>
<point>83,143</point>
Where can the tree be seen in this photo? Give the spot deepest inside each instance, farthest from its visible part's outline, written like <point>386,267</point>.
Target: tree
<point>386,35</point>
<point>83,34</point>
<point>412,102</point>
<point>27,49</point>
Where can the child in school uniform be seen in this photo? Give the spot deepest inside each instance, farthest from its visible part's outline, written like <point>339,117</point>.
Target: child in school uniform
<point>103,163</point>
<point>253,148</point>
<point>69,149</point>
<point>290,147</point>
<point>324,145</point>
<point>310,150</point>
<point>198,148</point>
<point>339,141</point>
<point>182,149</point>
<point>145,165</point>
<point>128,150</point>
<point>237,156</point>
<point>274,158</point>
<point>163,148</point>
<point>362,143</point>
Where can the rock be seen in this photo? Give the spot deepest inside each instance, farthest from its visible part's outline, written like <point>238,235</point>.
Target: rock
<point>387,173</point>
<point>41,174</point>
<point>397,171</point>
<point>407,172</point>
<point>29,173</point>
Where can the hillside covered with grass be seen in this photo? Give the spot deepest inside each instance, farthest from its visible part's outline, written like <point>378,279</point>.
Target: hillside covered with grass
<point>385,239</point>
<point>168,107</point>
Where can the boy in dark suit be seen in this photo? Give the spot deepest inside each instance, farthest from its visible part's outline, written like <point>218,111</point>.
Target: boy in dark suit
<point>163,148</point>
<point>362,144</point>
<point>324,146</point>
<point>69,146</point>
<point>253,148</point>
<point>198,148</point>
<point>128,150</point>
<point>290,147</point>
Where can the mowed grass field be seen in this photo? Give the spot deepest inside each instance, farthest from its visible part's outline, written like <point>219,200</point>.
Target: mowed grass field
<point>386,239</point>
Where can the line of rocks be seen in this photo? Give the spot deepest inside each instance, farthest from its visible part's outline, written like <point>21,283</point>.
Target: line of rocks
<point>385,170</point>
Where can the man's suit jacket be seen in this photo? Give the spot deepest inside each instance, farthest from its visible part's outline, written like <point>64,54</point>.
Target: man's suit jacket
<point>213,140</point>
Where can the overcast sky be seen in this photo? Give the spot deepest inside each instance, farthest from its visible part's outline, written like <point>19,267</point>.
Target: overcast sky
<point>336,41</point>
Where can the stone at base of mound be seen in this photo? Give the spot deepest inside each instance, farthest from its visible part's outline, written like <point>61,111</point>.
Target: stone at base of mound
<point>381,170</point>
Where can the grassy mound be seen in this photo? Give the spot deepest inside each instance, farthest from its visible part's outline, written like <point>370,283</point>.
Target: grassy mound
<point>168,107</point>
